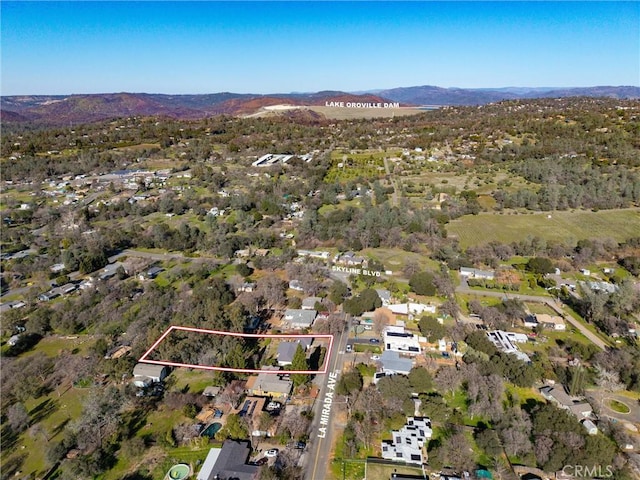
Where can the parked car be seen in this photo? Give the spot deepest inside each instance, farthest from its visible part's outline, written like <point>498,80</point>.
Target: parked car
<point>300,445</point>
<point>271,453</point>
<point>349,348</point>
<point>374,340</point>
<point>375,357</point>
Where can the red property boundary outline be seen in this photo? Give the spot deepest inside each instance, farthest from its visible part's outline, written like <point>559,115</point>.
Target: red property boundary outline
<point>144,359</point>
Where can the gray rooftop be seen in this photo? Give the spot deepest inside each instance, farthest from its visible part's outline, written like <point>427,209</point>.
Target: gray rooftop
<point>300,317</point>
<point>310,302</point>
<point>148,370</point>
<point>270,382</point>
<point>286,351</point>
<point>392,362</point>
<point>229,462</point>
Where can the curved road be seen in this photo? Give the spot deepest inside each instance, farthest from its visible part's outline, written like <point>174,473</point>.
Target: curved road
<point>552,303</point>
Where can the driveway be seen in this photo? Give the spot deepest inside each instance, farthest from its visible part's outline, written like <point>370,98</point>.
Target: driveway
<point>551,302</point>
<point>598,397</point>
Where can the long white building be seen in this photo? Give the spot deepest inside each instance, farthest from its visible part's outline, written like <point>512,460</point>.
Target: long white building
<point>398,340</point>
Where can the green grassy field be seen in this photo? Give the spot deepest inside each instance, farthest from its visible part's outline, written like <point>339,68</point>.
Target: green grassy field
<point>395,259</point>
<point>375,470</point>
<point>568,227</point>
<point>349,166</point>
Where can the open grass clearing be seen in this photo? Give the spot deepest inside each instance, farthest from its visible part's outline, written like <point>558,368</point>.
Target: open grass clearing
<point>395,259</point>
<point>139,147</point>
<point>617,406</point>
<point>539,308</point>
<point>192,381</point>
<point>349,469</point>
<point>566,226</point>
<point>53,346</point>
<point>377,470</point>
<point>49,414</point>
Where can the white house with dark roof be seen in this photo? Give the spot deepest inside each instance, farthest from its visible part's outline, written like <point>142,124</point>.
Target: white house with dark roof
<point>398,340</point>
<point>506,342</point>
<point>408,442</point>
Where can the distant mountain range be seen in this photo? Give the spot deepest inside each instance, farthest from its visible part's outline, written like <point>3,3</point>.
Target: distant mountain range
<point>63,109</point>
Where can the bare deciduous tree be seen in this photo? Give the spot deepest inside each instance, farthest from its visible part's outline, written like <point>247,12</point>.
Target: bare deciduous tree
<point>380,321</point>
<point>17,417</point>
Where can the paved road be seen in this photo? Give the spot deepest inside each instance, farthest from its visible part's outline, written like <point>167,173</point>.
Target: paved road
<point>551,302</point>
<point>598,397</point>
<point>320,449</point>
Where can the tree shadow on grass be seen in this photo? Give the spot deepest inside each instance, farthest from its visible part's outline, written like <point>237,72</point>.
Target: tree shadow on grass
<point>135,421</point>
<point>138,476</point>
<point>12,465</point>
<point>59,428</point>
<point>8,438</point>
<point>42,410</point>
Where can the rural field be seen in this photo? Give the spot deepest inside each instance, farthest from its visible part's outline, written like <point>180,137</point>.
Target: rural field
<point>568,227</point>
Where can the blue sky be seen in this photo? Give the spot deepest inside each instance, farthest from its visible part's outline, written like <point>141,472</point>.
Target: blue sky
<point>278,47</point>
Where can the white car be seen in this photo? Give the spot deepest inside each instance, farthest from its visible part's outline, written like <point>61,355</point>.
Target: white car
<point>375,357</point>
<point>271,453</point>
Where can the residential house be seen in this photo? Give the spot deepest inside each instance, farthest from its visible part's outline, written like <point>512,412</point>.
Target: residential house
<point>247,287</point>
<point>310,253</point>
<point>296,285</point>
<point>530,321</point>
<point>110,271</point>
<point>144,374</point>
<point>552,322</point>
<point>271,384</point>
<point>309,303</point>
<point>286,352</point>
<point>506,342</point>
<point>47,296</point>
<point>229,462</point>
<point>590,426</point>
<point>559,396</point>
<point>385,296</point>
<point>152,273</point>
<point>398,340</point>
<point>411,308</point>
<point>476,273</point>
<point>349,259</point>
<point>298,318</point>
<point>117,352</point>
<point>408,442</point>
<point>211,391</point>
<point>393,363</point>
